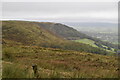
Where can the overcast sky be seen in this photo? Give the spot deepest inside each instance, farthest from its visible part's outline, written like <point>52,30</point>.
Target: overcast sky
<point>61,11</point>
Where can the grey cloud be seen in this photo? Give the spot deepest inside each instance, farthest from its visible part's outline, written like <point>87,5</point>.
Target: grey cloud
<point>64,11</point>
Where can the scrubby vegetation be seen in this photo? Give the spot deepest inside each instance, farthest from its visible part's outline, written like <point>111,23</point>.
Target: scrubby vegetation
<point>12,70</point>
<point>25,44</point>
<point>56,63</point>
<point>28,33</point>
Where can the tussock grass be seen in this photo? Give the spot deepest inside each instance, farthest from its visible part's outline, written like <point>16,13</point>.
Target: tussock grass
<point>11,70</point>
<point>57,63</point>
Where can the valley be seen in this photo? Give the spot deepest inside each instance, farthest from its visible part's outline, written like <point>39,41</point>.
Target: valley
<point>57,50</point>
<point>111,37</point>
<point>104,31</point>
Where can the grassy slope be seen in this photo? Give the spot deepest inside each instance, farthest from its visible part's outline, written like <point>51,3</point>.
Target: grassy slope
<point>19,56</point>
<point>32,34</point>
<point>92,43</point>
<point>27,33</point>
<point>86,41</point>
<point>62,30</point>
<point>56,63</point>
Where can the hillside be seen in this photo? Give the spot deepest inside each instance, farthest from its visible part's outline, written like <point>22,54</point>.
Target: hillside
<point>26,45</point>
<point>62,30</point>
<point>72,34</point>
<point>28,33</point>
<point>56,63</point>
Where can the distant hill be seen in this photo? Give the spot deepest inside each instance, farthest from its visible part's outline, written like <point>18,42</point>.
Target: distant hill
<point>62,30</point>
<point>94,26</point>
<point>72,34</point>
<point>29,33</point>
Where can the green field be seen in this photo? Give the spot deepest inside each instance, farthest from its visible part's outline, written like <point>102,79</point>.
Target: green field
<point>90,42</point>
<point>86,41</point>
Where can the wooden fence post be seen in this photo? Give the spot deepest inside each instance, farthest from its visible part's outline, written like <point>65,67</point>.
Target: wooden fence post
<point>35,69</point>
